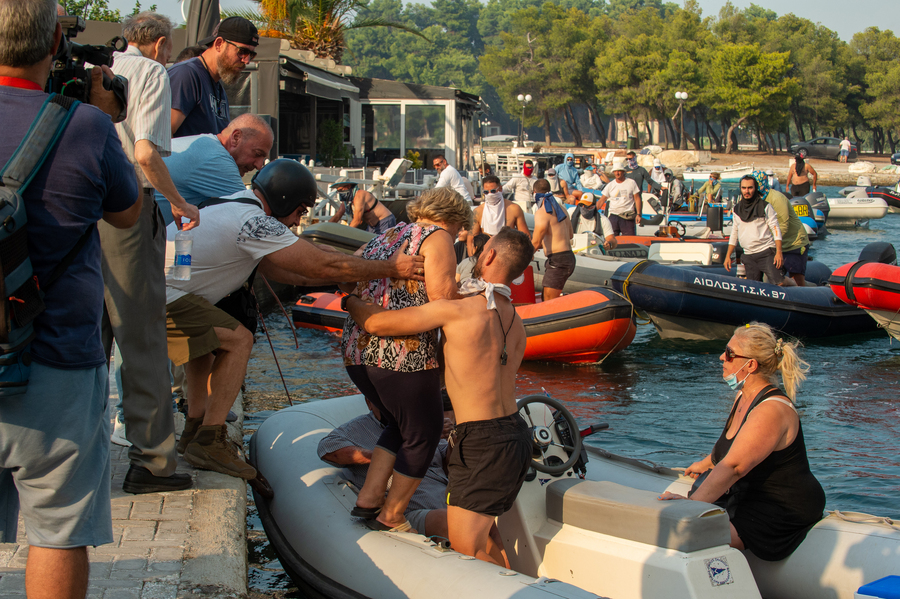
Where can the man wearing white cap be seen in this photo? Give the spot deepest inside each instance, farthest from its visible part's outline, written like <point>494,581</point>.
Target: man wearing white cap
<point>587,218</point>
<point>624,197</point>
<point>774,183</point>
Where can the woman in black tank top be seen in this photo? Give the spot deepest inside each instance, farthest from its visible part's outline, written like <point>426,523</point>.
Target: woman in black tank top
<point>758,470</point>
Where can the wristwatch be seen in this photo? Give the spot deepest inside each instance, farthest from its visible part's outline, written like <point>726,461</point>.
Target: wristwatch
<point>344,301</point>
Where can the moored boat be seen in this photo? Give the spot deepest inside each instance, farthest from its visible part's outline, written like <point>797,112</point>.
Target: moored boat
<point>687,304</point>
<point>577,328</point>
<point>702,173</point>
<point>605,534</point>
<point>855,208</point>
<point>874,287</point>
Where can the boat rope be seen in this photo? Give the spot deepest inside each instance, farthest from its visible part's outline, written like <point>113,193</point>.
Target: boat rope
<point>637,317</point>
<point>861,518</point>
<point>269,339</point>
<point>625,333</point>
<point>283,311</point>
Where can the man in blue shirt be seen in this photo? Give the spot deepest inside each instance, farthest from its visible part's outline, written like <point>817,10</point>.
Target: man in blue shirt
<point>199,103</point>
<point>54,439</point>
<point>211,166</point>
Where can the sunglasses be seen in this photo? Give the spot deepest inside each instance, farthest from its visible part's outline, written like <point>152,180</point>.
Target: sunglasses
<point>730,355</point>
<point>242,52</point>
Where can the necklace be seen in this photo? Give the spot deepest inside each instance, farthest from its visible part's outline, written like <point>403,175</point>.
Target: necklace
<point>503,354</point>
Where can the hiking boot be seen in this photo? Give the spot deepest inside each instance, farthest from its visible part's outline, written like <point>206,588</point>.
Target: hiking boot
<point>187,434</point>
<point>212,450</point>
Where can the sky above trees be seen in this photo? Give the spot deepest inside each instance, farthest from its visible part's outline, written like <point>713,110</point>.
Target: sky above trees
<point>834,14</point>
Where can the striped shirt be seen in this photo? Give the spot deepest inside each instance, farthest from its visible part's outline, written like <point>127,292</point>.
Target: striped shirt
<point>363,432</point>
<point>149,105</point>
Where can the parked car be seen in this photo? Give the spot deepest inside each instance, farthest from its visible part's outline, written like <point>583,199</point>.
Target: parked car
<point>828,148</point>
<point>895,158</point>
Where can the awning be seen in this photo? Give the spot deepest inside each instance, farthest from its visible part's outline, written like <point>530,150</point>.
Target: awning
<point>317,82</point>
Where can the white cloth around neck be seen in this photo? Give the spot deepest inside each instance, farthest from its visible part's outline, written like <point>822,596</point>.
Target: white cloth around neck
<point>469,287</point>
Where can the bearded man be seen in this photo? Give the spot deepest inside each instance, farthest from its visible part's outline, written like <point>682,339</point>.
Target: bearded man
<point>199,103</point>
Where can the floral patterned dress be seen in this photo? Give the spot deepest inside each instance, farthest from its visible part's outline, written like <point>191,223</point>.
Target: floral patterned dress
<point>401,354</point>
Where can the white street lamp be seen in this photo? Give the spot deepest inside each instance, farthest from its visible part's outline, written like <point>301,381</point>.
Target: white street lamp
<point>524,100</point>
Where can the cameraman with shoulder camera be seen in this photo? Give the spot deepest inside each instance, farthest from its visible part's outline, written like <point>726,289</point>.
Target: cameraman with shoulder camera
<point>134,261</point>
<point>54,439</point>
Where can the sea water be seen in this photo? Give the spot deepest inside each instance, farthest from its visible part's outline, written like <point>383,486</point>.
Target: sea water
<point>664,400</point>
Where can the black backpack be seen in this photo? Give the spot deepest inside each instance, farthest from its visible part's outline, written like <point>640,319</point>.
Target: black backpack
<point>21,294</point>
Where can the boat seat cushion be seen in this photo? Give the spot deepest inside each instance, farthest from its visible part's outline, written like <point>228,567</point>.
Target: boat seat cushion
<point>685,252</point>
<point>627,513</point>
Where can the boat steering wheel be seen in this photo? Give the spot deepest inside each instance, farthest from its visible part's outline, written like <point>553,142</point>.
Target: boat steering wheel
<point>682,230</point>
<point>543,434</point>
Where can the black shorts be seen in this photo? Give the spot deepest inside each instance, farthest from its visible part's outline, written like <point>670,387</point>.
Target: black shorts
<point>795,261</point>
<point>798,190</point>
<point>488,464</point>
<point>559,268</point>
<point>762,263</point>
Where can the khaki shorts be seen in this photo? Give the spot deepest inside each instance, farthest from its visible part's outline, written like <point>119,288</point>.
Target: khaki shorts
<point>190,328</point>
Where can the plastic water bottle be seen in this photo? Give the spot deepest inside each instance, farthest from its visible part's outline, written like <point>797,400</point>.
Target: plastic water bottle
<point>182,268</point>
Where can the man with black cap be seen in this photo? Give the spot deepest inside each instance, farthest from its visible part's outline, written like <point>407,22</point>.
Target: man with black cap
<point>199,103</point>
<point>239,233</point>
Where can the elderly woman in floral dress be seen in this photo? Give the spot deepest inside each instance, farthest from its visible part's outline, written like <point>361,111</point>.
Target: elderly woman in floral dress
<point>400,375</point>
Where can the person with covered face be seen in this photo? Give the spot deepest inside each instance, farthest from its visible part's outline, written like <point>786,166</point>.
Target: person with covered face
<point>569,179</point>
<point>712,189</point>
<point>494,213</point>
<point>798,179</point>
<point>637,173</point>
<point>672,191</point>
<point>758,470</point>
<point>755,227</point>
<point>362,207</point>
<point>587,218</point>
<point>794,242</point>
<point>521,186</point>
<point>658,172</point>
<point>594,178</point>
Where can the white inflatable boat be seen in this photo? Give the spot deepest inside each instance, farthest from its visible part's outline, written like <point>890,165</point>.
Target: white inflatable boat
<point>604,535</point>
<point>856,208</point>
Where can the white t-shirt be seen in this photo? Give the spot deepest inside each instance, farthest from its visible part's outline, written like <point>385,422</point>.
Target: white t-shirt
<point>520,186</point>
<point>757,235</point>
<point>451,178</point>
<point>232,240</point>
<point>621,196</point>
<point>845,145</point>
<point>591,180</point>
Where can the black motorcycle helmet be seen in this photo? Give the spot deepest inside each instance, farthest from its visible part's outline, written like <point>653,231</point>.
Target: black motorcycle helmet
<point>286,184</point>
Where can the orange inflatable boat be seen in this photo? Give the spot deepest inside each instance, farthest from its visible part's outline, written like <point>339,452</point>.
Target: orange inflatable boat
<point>577,328</point>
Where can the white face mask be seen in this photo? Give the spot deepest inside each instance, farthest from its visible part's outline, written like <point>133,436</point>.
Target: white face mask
<point>493,197</point>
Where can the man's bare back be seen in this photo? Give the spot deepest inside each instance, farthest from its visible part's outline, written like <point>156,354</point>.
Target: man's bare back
<point>361,201</point>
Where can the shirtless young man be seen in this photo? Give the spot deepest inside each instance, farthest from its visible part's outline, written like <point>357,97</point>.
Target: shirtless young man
<point>482,334</point>
<point>363,207</point>
<point>495,213</point>
<point>552,232</point>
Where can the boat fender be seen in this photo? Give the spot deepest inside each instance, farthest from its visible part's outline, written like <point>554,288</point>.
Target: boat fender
<point>848,280</point>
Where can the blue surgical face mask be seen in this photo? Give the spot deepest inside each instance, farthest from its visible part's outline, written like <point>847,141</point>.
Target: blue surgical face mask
<point>570,162</point>
<point>731,379</point>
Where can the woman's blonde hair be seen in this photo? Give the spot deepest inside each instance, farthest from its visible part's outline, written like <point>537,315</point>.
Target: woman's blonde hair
<point>758,341</point>
<point>441,205</point>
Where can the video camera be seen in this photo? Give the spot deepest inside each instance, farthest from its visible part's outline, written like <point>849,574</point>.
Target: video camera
<point>70,78</point>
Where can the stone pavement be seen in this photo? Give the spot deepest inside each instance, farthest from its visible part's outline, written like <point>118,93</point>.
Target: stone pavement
<point>181,544</point>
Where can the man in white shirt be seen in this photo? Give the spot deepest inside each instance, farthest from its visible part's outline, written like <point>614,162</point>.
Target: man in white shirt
<point>624,198</point>
<point>521,187</point>
<point>134,307</point>
<point>241,232</point>
<point>755,227</point>
<point>845,149</point>
<point>450,177</point>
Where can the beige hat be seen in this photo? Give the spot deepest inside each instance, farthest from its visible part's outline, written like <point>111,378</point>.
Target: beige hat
<point>656,162</point>
<point>618,165</point>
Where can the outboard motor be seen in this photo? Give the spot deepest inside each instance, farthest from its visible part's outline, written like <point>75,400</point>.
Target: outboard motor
<point>879,251</point>
<point>714,218</point>
<point>818,201</point>
<point>805,212</point>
